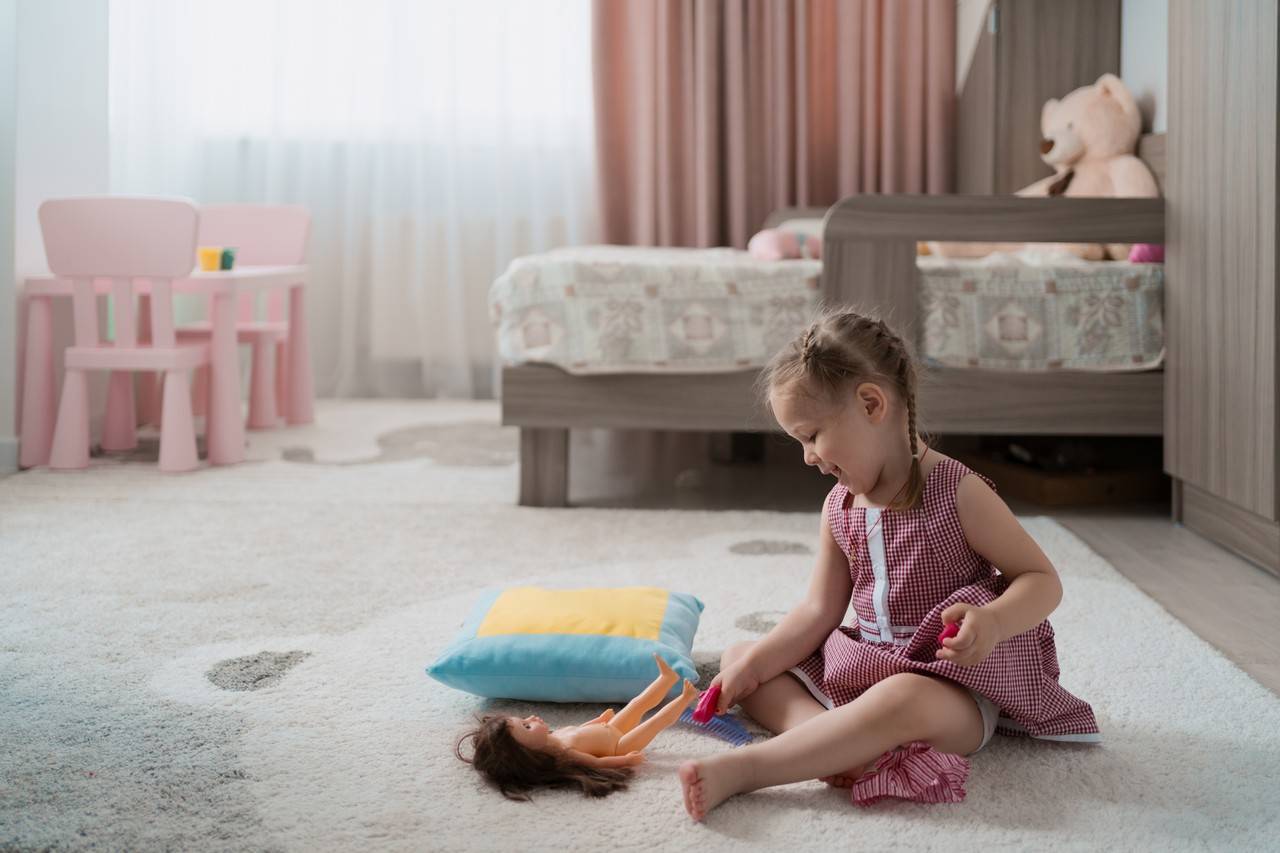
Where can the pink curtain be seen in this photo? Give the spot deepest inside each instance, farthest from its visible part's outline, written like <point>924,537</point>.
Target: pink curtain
<point>710,114</point>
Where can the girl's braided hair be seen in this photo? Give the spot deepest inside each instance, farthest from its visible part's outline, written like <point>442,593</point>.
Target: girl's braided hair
<point>837,353</point>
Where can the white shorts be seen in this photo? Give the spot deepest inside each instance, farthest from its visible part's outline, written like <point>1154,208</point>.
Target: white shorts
<point>990,715</point>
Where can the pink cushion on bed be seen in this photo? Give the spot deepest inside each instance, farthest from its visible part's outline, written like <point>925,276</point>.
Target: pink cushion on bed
<point>776,244</point>
<point>1147,253</point>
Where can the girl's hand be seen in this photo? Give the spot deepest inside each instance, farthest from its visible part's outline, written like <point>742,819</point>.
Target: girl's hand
<point>979,633</point>
<point>737,682</point>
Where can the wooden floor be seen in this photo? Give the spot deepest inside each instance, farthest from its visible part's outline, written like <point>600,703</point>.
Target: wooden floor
<point>1226,600</point>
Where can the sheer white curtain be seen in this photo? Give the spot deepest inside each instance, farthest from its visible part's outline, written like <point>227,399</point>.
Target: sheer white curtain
<point>432,140</point>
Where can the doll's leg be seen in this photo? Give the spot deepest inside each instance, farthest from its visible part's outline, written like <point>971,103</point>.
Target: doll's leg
<point>627,719</point>
<point>639,737</point>
<point>898,710</point>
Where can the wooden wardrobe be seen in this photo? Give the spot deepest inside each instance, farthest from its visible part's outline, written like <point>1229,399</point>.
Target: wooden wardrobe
<point>1220,297</point>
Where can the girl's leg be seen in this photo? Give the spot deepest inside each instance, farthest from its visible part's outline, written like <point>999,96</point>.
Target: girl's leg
<point>639,737</point>
<point>779,704</point>
<point>783,703</point>
<point>627,719</point>
<point>898,710</point>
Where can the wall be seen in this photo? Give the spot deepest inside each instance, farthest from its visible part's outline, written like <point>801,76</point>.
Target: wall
<point>57,139</point>
<point>971,18</point>
<point>1144,58</point>
<point>8,294</point>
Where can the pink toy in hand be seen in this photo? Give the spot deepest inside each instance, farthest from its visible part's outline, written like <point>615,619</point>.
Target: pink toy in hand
<point>950,631</point>
<point>707,705</point>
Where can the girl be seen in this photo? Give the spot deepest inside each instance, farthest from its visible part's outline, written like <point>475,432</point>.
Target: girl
<point>520,754</point>
<point>911,538</point>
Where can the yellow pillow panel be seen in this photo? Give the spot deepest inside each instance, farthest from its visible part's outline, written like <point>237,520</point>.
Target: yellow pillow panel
<point>635,611</point>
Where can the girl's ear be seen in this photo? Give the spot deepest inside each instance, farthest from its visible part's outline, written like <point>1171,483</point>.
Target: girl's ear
<point>872,401</point>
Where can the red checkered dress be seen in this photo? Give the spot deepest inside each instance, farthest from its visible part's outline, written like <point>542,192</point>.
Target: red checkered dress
<point>912,566</point>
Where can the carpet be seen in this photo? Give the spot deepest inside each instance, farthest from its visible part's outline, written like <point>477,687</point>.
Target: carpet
<point>233,659</point>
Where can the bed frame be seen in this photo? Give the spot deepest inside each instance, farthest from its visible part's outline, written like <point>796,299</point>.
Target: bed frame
<point>869,262</point>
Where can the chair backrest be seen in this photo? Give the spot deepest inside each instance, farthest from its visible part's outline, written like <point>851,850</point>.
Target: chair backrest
<point>263,235</point>
<point>121,238</point>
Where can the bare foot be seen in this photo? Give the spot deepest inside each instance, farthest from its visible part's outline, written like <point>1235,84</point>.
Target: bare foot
<point>840,780</point>
<point>688,693</point>
<point>705,787</point>
<point>847,778</point>
<point>667,672</point>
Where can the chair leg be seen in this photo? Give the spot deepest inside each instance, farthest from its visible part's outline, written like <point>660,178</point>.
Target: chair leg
<point>150,392</point>
<point>200,392</point>
<point>148,381</point>
<point>71,434</point>
<point>177,428</point>
<point>39,385</point>
<point>282,381</point>
<point>120,428</point>
<point>262,394</point>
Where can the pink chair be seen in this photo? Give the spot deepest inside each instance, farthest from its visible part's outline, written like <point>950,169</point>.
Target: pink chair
<point>263,235</point>
<point>123,239</point>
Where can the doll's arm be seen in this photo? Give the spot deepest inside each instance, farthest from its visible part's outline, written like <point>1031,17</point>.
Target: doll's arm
<point>606,761</point>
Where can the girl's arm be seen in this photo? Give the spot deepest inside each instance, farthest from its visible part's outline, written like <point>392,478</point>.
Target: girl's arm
<point>1034,588</point>
<point>804,628</point>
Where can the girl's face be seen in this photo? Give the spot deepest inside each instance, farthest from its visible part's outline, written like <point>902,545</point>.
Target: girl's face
<point>530,731</point>
<point>845,438</point>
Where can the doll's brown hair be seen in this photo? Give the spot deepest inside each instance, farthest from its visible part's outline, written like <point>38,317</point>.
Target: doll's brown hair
<point>836,354</point>
<point>515,769</point>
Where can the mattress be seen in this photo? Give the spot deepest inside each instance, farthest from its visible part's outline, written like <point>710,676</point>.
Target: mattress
<point>628,309</point>
<point>1041,311</point>
<point>624,309</point>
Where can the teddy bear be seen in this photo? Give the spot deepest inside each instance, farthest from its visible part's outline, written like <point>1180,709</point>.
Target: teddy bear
<point>1089,141</point>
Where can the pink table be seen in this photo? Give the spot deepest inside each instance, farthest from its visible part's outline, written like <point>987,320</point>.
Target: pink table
<point>225,446</point>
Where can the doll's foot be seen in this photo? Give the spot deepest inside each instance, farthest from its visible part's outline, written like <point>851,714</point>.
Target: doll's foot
<point>688,693</point>
<point>668,673</point>
<point>706,785</point>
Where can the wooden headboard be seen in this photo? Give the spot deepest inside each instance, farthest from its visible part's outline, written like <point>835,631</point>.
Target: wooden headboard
<point>1151,152</point>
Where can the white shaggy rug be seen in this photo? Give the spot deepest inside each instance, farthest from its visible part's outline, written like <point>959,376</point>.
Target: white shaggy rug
<point>234,659</point>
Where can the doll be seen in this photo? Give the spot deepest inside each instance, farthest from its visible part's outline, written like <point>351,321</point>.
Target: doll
<point>521,754</point>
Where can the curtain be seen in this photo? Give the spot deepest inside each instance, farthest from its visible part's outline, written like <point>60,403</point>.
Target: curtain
<point>433,142</point>
<point>710,114</point>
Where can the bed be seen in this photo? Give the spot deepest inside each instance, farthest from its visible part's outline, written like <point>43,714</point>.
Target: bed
<point>870,262</point>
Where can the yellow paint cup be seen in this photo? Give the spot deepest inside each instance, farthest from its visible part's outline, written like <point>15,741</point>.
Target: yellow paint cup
<point>210,257</point>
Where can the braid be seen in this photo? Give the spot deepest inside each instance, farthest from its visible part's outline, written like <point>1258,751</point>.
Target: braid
<point>904,371</point>
<point>809,344</point>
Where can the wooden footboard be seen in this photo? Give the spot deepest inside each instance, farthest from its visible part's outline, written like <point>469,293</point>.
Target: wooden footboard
<point>545,402</point>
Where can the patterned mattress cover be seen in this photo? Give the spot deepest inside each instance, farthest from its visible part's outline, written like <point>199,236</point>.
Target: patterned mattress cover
<point>626,309</point>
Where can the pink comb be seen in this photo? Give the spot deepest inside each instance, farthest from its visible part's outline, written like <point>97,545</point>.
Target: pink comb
<point>707,705</point>
<point>950,631</point>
